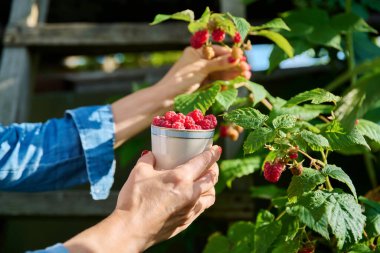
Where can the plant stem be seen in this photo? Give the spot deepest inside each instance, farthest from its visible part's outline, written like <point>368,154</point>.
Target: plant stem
<point>313,160</point>
<point>267,104</point>
<point>350,53</point>
<point>370,169</point>
<point>280,215</point>
<point>328,184</point>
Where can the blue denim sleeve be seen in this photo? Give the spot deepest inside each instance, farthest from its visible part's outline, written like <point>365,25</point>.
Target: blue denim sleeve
<point>60,153</point>
<point>57,248</point>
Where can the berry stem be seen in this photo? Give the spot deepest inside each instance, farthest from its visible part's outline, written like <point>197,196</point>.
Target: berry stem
<point>267,104</point>
<point>313,160</point>
<point>280,215</point>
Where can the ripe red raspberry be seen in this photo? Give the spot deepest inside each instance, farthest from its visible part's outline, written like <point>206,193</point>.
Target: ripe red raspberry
<point>179,118</point>
<point>199,38</point>
<point>237,38</point>
<point>189,122</point>
<point>272,172</point>
<point>218,35</point>
<point>307,249</point>
<point>223,131</point>
<point>213,120</point>
<point>197,115</point>
<point>206,124</point>
<point>178,125</point>
<point>293,155</point>
<point>157,121</point>
<point>194,127</point>
<point>169,115</point>
<point>167,124</point>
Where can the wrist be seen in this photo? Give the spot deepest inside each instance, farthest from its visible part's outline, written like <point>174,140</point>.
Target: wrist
<point>112,234</point>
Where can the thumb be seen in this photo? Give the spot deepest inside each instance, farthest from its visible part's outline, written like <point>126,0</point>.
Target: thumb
<point>222,62</point>
<point>147,158</point>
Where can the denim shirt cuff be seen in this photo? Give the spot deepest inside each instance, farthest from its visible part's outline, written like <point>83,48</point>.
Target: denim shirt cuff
<point>96,131</point>
<point>57,248</point>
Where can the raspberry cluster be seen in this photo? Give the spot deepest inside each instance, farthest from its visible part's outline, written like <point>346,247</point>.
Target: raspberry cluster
<point>194,120</point>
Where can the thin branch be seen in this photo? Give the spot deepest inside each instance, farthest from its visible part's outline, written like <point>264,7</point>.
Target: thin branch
<point>267,104</point>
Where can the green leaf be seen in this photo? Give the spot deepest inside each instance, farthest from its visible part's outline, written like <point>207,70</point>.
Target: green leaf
<point>372,212</point>
<point>257,139</point>
<point>217,243</point>
<point>201,100</point>
<point>325,35</point>
<point>226,98</point>
<point>369,129</point>
<point>264,217</point>
<point>224,22</point>
<point>339,138</point>
<point>258,91</point>
<point>186,15</point>
<point>360,248</point>
<point>265,235</point>
<point>338,209</point>
<point>284,121</point>
<point>315,141</point>
<point>347,21</point>
<point>235,168</point>
<point>374,4</point>
<point>338,174</point>
<point>248,118</point>
<point>290,227</point>
<point>307,181</point>
<point>267,192</point>
<point>316,96</point>
<point>277,38</point>
<point>286,246</point>
<point>306,112</point>
<point>309,16</point>
<point>358,100</point>
<point>201,23</point>
<point>241,232</point>
<point>242,26</point>
<point>277,23</point>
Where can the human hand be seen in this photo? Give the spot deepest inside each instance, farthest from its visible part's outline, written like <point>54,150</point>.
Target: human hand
<point>157,205</point>
<point>192,70</point>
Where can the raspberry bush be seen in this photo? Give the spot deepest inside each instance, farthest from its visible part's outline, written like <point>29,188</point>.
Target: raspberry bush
<point>294,137</point>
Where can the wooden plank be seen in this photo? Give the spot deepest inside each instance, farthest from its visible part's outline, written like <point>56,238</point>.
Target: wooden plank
<point>16,64</point>
<point>92,34</point>
<point>79,203</point>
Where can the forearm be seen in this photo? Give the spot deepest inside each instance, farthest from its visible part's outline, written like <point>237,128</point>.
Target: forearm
<point>134,113</point>
<point>112,234</point>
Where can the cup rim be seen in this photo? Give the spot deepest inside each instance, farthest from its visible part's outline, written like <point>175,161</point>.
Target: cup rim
<point>182,133</point>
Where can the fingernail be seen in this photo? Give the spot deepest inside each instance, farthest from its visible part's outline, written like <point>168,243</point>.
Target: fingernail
<point>220,149</point>
<point>144,152</point>
<point>231,59</point>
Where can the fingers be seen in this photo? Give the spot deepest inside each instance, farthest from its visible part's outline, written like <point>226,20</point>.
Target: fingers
<point>221,50</point>
<point>199,164</point>
<point>147,158</point>
<point>220,63</point>
<point>207,181</point>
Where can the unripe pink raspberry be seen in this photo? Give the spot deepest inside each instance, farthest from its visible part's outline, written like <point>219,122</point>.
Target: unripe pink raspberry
<point>169,115</point>
<point>179,117</point>
<point>197,115</point>
<point>272,172</point>
<point>167,124</point>
<point>178,125</point>
<point>213,120</point>
<point>237,38</point>
<point>199,38</point>
<point>218,35</point>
